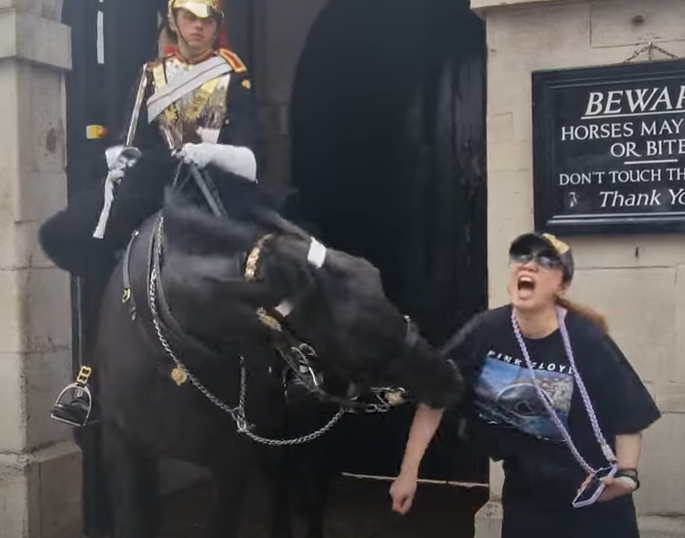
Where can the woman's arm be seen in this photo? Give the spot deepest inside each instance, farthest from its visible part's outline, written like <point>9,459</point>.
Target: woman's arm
<point>426,422</point>
<point>461,349</point>
<point>628,450</point>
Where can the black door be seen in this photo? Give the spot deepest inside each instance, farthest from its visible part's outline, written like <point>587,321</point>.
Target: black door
<point>388,152</point>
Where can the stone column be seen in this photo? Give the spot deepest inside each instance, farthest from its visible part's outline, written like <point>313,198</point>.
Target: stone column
<point>39,464</point>
<point>281,30</point>
<point>643,298</point>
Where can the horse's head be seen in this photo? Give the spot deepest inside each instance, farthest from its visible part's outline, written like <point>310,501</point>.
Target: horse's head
<point>244,282</point>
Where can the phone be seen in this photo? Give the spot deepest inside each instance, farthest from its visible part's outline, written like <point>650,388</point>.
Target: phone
<point>592,488</point>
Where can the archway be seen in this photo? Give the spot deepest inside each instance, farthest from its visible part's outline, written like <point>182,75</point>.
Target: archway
<point>388,158</point>
<point>388,124</point>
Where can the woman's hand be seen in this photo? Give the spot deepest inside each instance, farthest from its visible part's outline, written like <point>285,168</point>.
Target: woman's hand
<point>426,421</point>
<point>402,491</point>
<point>613,489</point>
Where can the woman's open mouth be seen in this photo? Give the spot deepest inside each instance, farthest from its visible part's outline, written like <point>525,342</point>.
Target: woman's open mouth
<point>525,285</point>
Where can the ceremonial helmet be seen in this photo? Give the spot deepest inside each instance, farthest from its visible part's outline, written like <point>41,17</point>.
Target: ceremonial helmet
<point>202,9</point>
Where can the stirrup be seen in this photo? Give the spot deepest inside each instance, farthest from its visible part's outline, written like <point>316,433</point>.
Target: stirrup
<point>78,389</point>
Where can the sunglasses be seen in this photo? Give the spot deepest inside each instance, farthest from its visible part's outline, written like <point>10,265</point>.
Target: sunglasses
<point>545,259</point>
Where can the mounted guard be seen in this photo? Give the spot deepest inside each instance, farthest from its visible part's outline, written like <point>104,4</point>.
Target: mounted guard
<point>195,104</point>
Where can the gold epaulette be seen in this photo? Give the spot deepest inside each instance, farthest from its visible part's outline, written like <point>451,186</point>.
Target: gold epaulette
<point>234,60</point>
<point>150,66</point>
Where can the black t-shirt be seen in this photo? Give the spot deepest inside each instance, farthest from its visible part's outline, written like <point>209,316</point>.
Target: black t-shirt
<point>506,414</point>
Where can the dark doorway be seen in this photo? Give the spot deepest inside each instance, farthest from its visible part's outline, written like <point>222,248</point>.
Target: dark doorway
<point>388,152</point>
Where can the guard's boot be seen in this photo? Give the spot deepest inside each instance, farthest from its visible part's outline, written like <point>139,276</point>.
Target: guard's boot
<point>76,411</point>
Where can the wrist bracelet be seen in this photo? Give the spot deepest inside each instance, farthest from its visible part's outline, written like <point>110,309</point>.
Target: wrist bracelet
<point>629,475</point>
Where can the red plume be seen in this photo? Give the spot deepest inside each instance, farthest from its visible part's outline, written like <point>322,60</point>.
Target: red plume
<point>223,31</point>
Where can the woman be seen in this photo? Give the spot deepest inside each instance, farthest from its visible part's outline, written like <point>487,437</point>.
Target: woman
<point>551,395</point>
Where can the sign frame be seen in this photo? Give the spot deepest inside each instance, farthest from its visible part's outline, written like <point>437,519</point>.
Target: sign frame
<point>546,129</point>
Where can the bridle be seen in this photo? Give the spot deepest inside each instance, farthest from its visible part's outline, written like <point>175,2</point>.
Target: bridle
<point>299,356</point>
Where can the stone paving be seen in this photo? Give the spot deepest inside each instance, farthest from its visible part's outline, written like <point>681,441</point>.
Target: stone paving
<point>357,509</point>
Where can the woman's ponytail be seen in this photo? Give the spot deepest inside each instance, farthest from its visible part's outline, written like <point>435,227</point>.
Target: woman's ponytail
<point>584,311</point>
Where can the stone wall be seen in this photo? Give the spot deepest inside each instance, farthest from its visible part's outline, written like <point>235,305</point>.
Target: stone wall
<point>39,465</point>
<point>281,30</point>
<point>637,281</point>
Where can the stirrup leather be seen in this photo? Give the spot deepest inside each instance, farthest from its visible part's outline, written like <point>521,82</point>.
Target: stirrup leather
<point>79,388</point>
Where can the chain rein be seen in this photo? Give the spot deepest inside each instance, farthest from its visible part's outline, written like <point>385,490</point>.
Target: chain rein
<point>237,413</point>
<point>545,398</point>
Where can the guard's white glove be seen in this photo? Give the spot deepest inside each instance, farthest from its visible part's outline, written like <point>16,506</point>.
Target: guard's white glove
<point>237,160</point>
<point>119,158</point>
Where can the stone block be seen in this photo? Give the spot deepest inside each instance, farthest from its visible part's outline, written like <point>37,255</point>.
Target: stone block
<point>509,156</point>
<point>662,526</point>
<point>31,383</point>
<point>510,202</point>
<point>18,31</point>
<point>482,4</point>
<point>14,494</point>
<point>12,406</point>
<point>34,315</point>
<point>59,491</point>
<point>629,251</point>
<point>500,127</point>
<point>614,22</point>
<point>9,142</point>
<point>621,295</point>
<point>671,396</point>
<point>488,520</point>
<point>39,194</point>
<point>46,305</point>
<point>47,9</point>
<point>662,468</point>
<point>40,494</point>
<point>676,363</point>
<point>541,37</point>
<point>42,133</point>
<point>12,330</point>
<point>45,375</point>
<point>24,205</point>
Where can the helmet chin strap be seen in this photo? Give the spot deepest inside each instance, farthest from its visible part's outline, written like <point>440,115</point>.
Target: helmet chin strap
<point>198,54</point>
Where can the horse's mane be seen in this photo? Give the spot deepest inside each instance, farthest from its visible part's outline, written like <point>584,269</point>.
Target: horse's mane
<point>196,230</point>
<point>200,247</point>
<point>241,198</point>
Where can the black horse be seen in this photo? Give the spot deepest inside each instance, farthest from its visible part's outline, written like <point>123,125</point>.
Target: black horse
<point>217,311</point>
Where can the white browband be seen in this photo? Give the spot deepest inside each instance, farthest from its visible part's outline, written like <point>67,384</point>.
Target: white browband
<point>285,308</point>
<point>317,257</point>
<point>317,254</point>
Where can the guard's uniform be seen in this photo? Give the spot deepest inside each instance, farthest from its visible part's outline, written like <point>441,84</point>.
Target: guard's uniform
<point>219,110</point>
<point>221,107</point>
<point>174,103</point>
